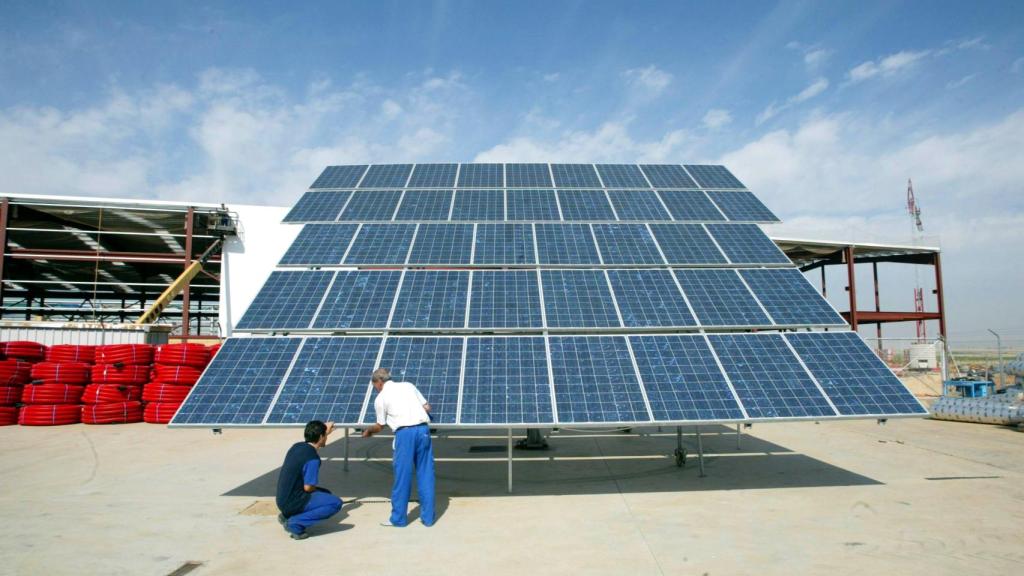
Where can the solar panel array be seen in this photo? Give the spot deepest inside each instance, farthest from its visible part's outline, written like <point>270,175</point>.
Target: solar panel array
<point>540,294</point>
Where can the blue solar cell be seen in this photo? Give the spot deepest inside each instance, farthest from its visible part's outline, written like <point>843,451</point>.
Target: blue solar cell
<point>386,176</point>
<point>433,176</point>
<point>442,244</point>
<point>371,205</point>
<point>505,299</point>
<point>768,378</point>
<point>433,364</point>
<point>504,244</point>
<point>240,382</point>
<point>319,244</point>
<point>622,176</point>
<point>595,380</point>
<point>638,205</point>
<point>506,382</point>
<point>479,205</point>
<point>667,176</point>
<point>481,176</point>
<point>690,205</point>
<point>740,205</point>
<point>527,176</point>
<point>565,244</point>
<point>328,382</point>
<point>713,176</point>
<point>649,299</point>
<point>578,299</point>
<point>682,379</point>
<point>381,244</point>
<point>585,205</point>
<point>719,298</point>
<point>789,298</point>
<point>853,377</point>
<point>359,299</point>
<point>425,205</point>
<point>432,299</point>
<point>339,177</point>
<point>286,300</point>
<point>318,207</point>
<point>746,244</point>
<point>687,244</point>
<point>575,176</point>
<point>535,205</point>
<point>626,244</point>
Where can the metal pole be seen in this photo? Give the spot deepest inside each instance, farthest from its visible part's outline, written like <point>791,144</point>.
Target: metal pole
<point>939,297</point>
<point>700,452</point>
<point>346,449</point>
<point>188,262</point>
<point>509,460</point>
<point>878,306</point>
<point>851,286</point>
<point>739,434</point>
<point>999,348</point>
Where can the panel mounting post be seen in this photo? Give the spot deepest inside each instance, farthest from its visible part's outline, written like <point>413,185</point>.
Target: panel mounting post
<point>346,449</point>
<point>700,453</point>
<point>509,460</point>
<point>739,435</point>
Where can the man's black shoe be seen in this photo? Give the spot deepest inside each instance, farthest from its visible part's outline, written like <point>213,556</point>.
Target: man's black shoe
<point>299,536</point>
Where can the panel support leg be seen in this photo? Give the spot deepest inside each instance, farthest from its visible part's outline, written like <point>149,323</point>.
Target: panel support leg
<point>509,460</point>
<point>739,435</point>
<point>346,449</point>
<point>680,452</point>
<point>700,453</point>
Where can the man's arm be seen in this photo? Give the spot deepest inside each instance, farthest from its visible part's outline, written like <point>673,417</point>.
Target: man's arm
<point>371,430</point>
<point>311,475</point>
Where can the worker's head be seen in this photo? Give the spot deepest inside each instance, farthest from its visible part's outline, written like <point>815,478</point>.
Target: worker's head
<point>379,377</point>
<point>316,433</point>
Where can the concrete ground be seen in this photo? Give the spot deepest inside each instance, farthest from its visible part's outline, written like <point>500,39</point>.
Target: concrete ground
<point>910,497</point>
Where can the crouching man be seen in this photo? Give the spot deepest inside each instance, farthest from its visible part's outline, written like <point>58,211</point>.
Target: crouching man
<point>300,498</point>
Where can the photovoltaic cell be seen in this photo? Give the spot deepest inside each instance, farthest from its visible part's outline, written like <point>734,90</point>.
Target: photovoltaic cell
<point>667,176</point>
<point>479,205</point>
<point>359,299</point>
<point>710,176</point>
<point>649,299</point>
<point>505,299</point>
<point>386,176</point>
<point>578,299</point>
<point>768,378</point>
<point>622,176</point>
<point>433,176</point>
<point>719,298</point>
<point>534,205</point>
<point>481,176</point>
<point>595,380</point>
<point>741,205</point>
<point>442,244</point>
<point>433,365</point>
<point>565,244</point>
<point>690,205</point>
<point>432,299</point>
<point>789,298</point>
<point>240,382</point>
<point>747,244</point>
<point>381,244</point>
<point>687,244</point>
<point>527,176</point>
<point>371,205</point>
<point>506,382</point>
<point>318,206</point>
<point>329,381</point>
<point>575,176</point>
<point>319,244</point>
<point>682,379</point>
<point>504,244</point>
<point>626,244</point>
<point>638,205</point>
<point>339,177</point>
<point>855,379</point>
<point>585,205</point>
<point>286,300</point>
<point>425,205</point>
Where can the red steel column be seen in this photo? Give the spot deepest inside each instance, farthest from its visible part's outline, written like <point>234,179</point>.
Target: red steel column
<point>938,295</point>
<point>878,305</point>
<point>188,285</point>
<point>851,285</point>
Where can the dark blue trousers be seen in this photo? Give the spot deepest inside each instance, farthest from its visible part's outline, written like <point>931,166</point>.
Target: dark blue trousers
<point>413,449</point>
<point>321,506</point>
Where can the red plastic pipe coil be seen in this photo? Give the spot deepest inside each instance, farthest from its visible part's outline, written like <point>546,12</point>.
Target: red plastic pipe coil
<point>108,393</point>
<point>71,353</point>
<point>51,394</point>
<point>50,414</point>
<point>160,412</point>
<point>184,375</point>
<point>112,413</point>
<point>168,393</point>
<point>32,351</point>
<point>75,373</point>
<point>120,374</point>
<point>15,372</point>
<point>124,354</point>
<point>10,395</point>
<point>8,415</point>
<point>195,355</point>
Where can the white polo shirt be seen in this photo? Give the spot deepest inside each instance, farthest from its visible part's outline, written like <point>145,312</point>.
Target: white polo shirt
<point>400,404</point>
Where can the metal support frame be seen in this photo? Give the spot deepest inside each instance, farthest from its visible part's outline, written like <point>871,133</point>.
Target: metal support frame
<point>878,305</point>
<point>5,205</point>
<point>346,448</point>
<point>189,217</point>
<point>700,453</point>
<point>851,285</point>
<point>509,460</point>
<point>938,295</point>
<point>739,435</point>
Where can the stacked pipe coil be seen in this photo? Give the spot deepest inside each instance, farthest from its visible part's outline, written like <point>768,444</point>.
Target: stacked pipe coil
<point>8,415</point>
<point>123,374</point>
<point>51,394</point>
<point>137,354</point>
<point>110,393</point>
<point>159,412</point>
<point>30,351</point>
<point>194,355</point>
<point>15,372</point>
<point>177,368</point>
<point>71,373</point>
<point>112,413</point>
<point>71,353</point>
<point>181,375</point>
<point>50,414</point>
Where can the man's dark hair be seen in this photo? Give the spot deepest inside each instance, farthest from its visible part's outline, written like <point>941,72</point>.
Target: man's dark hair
<point>314,430</point>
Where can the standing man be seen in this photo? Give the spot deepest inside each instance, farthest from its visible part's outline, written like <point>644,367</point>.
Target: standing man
<point>300,498</point>
<point>401,406</point>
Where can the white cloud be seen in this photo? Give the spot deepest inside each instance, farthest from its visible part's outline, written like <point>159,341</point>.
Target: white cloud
<point>1017,65</point>
<point>650,80</point>
<point>888,66</point>
<point>610,142</point>
<point>552,77</point>
<point>958,83</point>
<point>812,90</point>
<point>814,55</point>
<point>716,118</point>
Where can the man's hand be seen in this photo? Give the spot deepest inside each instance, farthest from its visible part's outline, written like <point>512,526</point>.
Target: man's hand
<point>371,430</point>
<point>330,428</point>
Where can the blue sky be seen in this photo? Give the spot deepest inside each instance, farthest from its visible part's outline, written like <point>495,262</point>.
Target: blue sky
<point>823,109</point>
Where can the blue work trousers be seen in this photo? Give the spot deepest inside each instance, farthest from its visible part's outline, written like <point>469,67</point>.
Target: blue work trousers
<point>321,506</point>
<point>413,448</point>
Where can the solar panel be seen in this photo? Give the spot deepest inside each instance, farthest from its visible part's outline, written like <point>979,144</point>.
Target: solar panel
<point>433,176</point>
<point>359,299</point>
<point>789,298</point>
<point>687,244</point>
<point>578,299</point>
<point>585,205</point>
<point>741,205</point>
<point>719,298</point>
<point>768,378</point>
<point>425,205</point>
<point>432,299</point>
<point>506,382</point>
<point>288,300</point>
<point>855,379</point>
<point>536,205</point>
<point>328,382</point>
<point>481,176</point>
<point>565,244</point>
<point>339,177</point>
<point>386,176</point>
<point>479,205</point>
<point>638,205</point>
<point>504,244</point>
<point>626,244</point>
<point>595,381</point>
<point>690,205</point>
<point>667,176</point>
<point>649,298</point>
<point>371,205</point>
<point>318,206</point>
<point>713,176</point>
<point>575,176</point>
<point>682,379</point>
<point>622,176</point>
<point>505,299</point>
<point>746,244</point>
<point>240,382</point>
<point>381,244</point>
<point>527,176</point>
<point>319,244</point>
<point>433,365</point>
<point>442,244</point>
